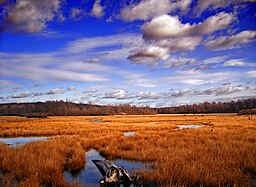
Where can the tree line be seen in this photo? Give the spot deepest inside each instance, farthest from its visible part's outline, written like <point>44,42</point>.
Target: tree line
<point>206,107</point>
<point>61,108</point>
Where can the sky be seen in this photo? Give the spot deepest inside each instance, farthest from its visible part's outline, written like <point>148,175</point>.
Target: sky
<point>153,53</point>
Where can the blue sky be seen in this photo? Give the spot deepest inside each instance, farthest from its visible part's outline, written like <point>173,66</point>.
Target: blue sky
<point>150,52</point>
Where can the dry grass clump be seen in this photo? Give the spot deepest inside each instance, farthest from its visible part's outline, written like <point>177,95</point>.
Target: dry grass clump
<point>40,163</point>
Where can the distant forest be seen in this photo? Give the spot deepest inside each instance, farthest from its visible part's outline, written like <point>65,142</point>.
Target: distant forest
<point>61,108</point>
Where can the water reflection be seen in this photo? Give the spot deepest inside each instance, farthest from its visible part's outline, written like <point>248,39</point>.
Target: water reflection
<point>96,120</point>
<point>189,126</point>
<point>21,140</point>
<point>130,133</point>
<point>90,175</point>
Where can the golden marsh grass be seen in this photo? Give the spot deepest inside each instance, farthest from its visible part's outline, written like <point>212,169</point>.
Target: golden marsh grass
<point>221,153</point>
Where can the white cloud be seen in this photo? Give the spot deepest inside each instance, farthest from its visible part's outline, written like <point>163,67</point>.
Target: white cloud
<point>92,60</point>
<point>80,67</point>
<point>161,50</point>
<point>148,9</point>
<point>54,91</point>
<point>169,33</point>
<point>189,77</point>
<point>164,97</point>
<point>215,60</point>
<point>145,10</point>
<point>251,73</point>
<point>21,95</point>
<point>179,44</point>
<point>31,15</point>
<point>234,41</point>
<point>118,94</point>
<point>76,13</point>
<point>167,26</point>
<point>49,66</point>
<point>203,5</point>
<point>201,67</point>
<point>36,94</point>
<point>235,62</point>
<point>97,10</point>
<point>124,42</point>
<point>71,88</point>
<point>178,62</point>
<point>194,82</point>
<point>214,23</point>
<point>140,80</point>
<point>67,64</point>
<point>6,83</point>
<point>151,55</point>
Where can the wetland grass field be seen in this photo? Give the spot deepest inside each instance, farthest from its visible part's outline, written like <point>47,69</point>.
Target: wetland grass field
<point>221,152</point>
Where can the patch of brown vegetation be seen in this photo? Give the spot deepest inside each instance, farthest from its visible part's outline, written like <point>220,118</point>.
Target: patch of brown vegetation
<point>40,163</point>
<point>220,153</point>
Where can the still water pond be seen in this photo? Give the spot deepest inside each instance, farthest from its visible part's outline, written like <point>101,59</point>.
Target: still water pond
<point>129,133</point>
<point>189,126</point>
<point>90,175</point>
<point>21,140</point>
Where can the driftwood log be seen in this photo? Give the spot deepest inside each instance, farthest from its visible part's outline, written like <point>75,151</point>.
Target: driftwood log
<point>114,176</point>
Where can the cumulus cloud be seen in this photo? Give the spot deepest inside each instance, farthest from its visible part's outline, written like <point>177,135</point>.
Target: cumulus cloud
<point>169,33</point>
<point>234,41</point>
<point>167,26</point>
<point>150,54</point>
<point>54,91</point>
<point>147,9</point>
<point>97,10</point>
<point>179,44</point>
<point>203,5</point>
<point>222,90</point>
<point>118,94</point>
<point>161,49</point>
<point>213,23</point>
<point>21,95</point>
<point>31,16</point>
